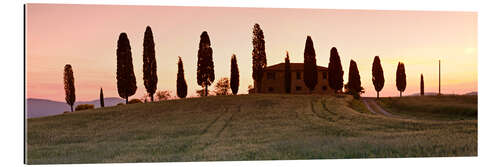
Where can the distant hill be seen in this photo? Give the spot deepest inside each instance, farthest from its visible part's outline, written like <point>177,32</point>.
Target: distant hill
<point>43,107</point>
<point>435,93</point>
<point>471,93</point>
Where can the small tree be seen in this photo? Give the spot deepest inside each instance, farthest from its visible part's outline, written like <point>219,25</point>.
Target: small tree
<point>377,75</point>
<point>222,87</point>
<point>235,75</point>
<point>310,71</point>
<point>69,86</point>
<point>259,61</point>
<point>163,95</point>
<point>149,63</point>
<point>181,81</point>
<point>125,70</point>
<point>401,78</point>
<point>205,71</point>
<point>421,84</point>
<point>288,75</point>
<point>101,97</point>
<point>353,85</point>
<point>335,73</point>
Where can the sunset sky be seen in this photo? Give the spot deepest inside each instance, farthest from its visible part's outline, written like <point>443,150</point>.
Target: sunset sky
<point>85,36</point>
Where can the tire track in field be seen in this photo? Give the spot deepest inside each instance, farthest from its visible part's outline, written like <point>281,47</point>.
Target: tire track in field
<point>186,147</point>
<point>319,116</point>
<point>227,122</point>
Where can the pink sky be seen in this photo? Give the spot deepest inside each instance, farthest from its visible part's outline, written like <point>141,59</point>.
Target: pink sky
<point>85,36</point>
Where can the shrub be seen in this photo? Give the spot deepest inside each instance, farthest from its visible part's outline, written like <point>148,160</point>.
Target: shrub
<point>133,101</point>
<point>84,107</point>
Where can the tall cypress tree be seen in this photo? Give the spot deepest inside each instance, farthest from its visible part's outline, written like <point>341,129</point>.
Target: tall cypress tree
<point>124,69</point>
<point>421,84</point>
<point>235,75</point>
<point>335,72</point>
<point>401,78</point>
<point>353,85</point>
<point>310,70</point>
<point>149,63</point>
<point>288,75</point>
<point>101,98</point>
<point>259,61</point>
<point>377,75</point>
<point>69,86</point>
<point>181,81</point>
<point>205,71</point>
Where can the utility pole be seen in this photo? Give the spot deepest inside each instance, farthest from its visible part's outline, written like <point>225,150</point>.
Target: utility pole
<point>439,93</point>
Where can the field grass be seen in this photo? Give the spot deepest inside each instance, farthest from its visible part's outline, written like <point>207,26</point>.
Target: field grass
<point>245,127</point>
<point>449,107</point>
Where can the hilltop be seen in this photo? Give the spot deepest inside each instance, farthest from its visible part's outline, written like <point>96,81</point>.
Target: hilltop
<point>244,127</point>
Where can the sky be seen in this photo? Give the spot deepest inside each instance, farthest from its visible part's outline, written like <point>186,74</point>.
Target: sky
<point>85,36</point>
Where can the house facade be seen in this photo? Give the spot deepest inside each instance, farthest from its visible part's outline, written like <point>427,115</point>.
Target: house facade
<point>273,80</point>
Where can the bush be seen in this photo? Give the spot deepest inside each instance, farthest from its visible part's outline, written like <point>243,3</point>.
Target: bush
<point>119,104</point>
<point>84,107</point>
<point>133,101</point>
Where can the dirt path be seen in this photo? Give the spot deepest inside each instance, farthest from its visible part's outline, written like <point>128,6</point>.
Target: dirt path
<point>373,107</point>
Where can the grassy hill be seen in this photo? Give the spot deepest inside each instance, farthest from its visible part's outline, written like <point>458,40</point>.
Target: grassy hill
<point>245,127</point>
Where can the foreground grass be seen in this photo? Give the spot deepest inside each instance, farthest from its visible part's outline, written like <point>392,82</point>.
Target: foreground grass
<point>247,127</point>
<point>449,107</point>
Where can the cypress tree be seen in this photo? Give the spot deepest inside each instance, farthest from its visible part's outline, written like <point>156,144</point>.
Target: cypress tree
<point>377,75</point>
<point>310,71</point>
<point>205,71</point>
<point>69,86</point>
<point>401,78</point>
<point>101,98</point>
<point>335,72</point>
<point>124,69</point>
<point>149,63</point>
<point>288,75</point>
<point>181,81</point>
<point>353,85</point>
<point>259,61</point>
<point>235,75</point>
<point>421,84</point>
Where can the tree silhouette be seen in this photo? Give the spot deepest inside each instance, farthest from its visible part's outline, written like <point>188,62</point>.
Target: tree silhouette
<point>401,78</point>
<point>353,85</point>
<point>377,75</point>
<point>101,98</point>
<point>259,61</point>
<point>222,87</point>
<point>69,86</point>
<point>205,71</point>
<point>335,73</point>
<point>181,81</point>
<point>310,71</point>
<point>421,84</point>
<point>235,75</point>
<point>149,63</point>
<point>124,69</point>
<point>288,75</point>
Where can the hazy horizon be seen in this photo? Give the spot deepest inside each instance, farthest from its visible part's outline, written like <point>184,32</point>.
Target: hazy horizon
<point>85,36</point>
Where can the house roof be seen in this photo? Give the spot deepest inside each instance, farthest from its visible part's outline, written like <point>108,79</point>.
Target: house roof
<point>293,67</point>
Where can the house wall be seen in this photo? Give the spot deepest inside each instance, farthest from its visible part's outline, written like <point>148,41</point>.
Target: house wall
<point>277,85</point>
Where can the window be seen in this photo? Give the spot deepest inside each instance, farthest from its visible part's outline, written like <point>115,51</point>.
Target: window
<point>324,88</point>
<point>270,76</point>
<point>325,75</point>
<point>298,88</point>
<point>298,76</point>
<point>270,89</point>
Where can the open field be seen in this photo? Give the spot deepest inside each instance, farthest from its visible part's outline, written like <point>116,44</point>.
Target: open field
<point>448,107</point>
<point>245,127</point>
